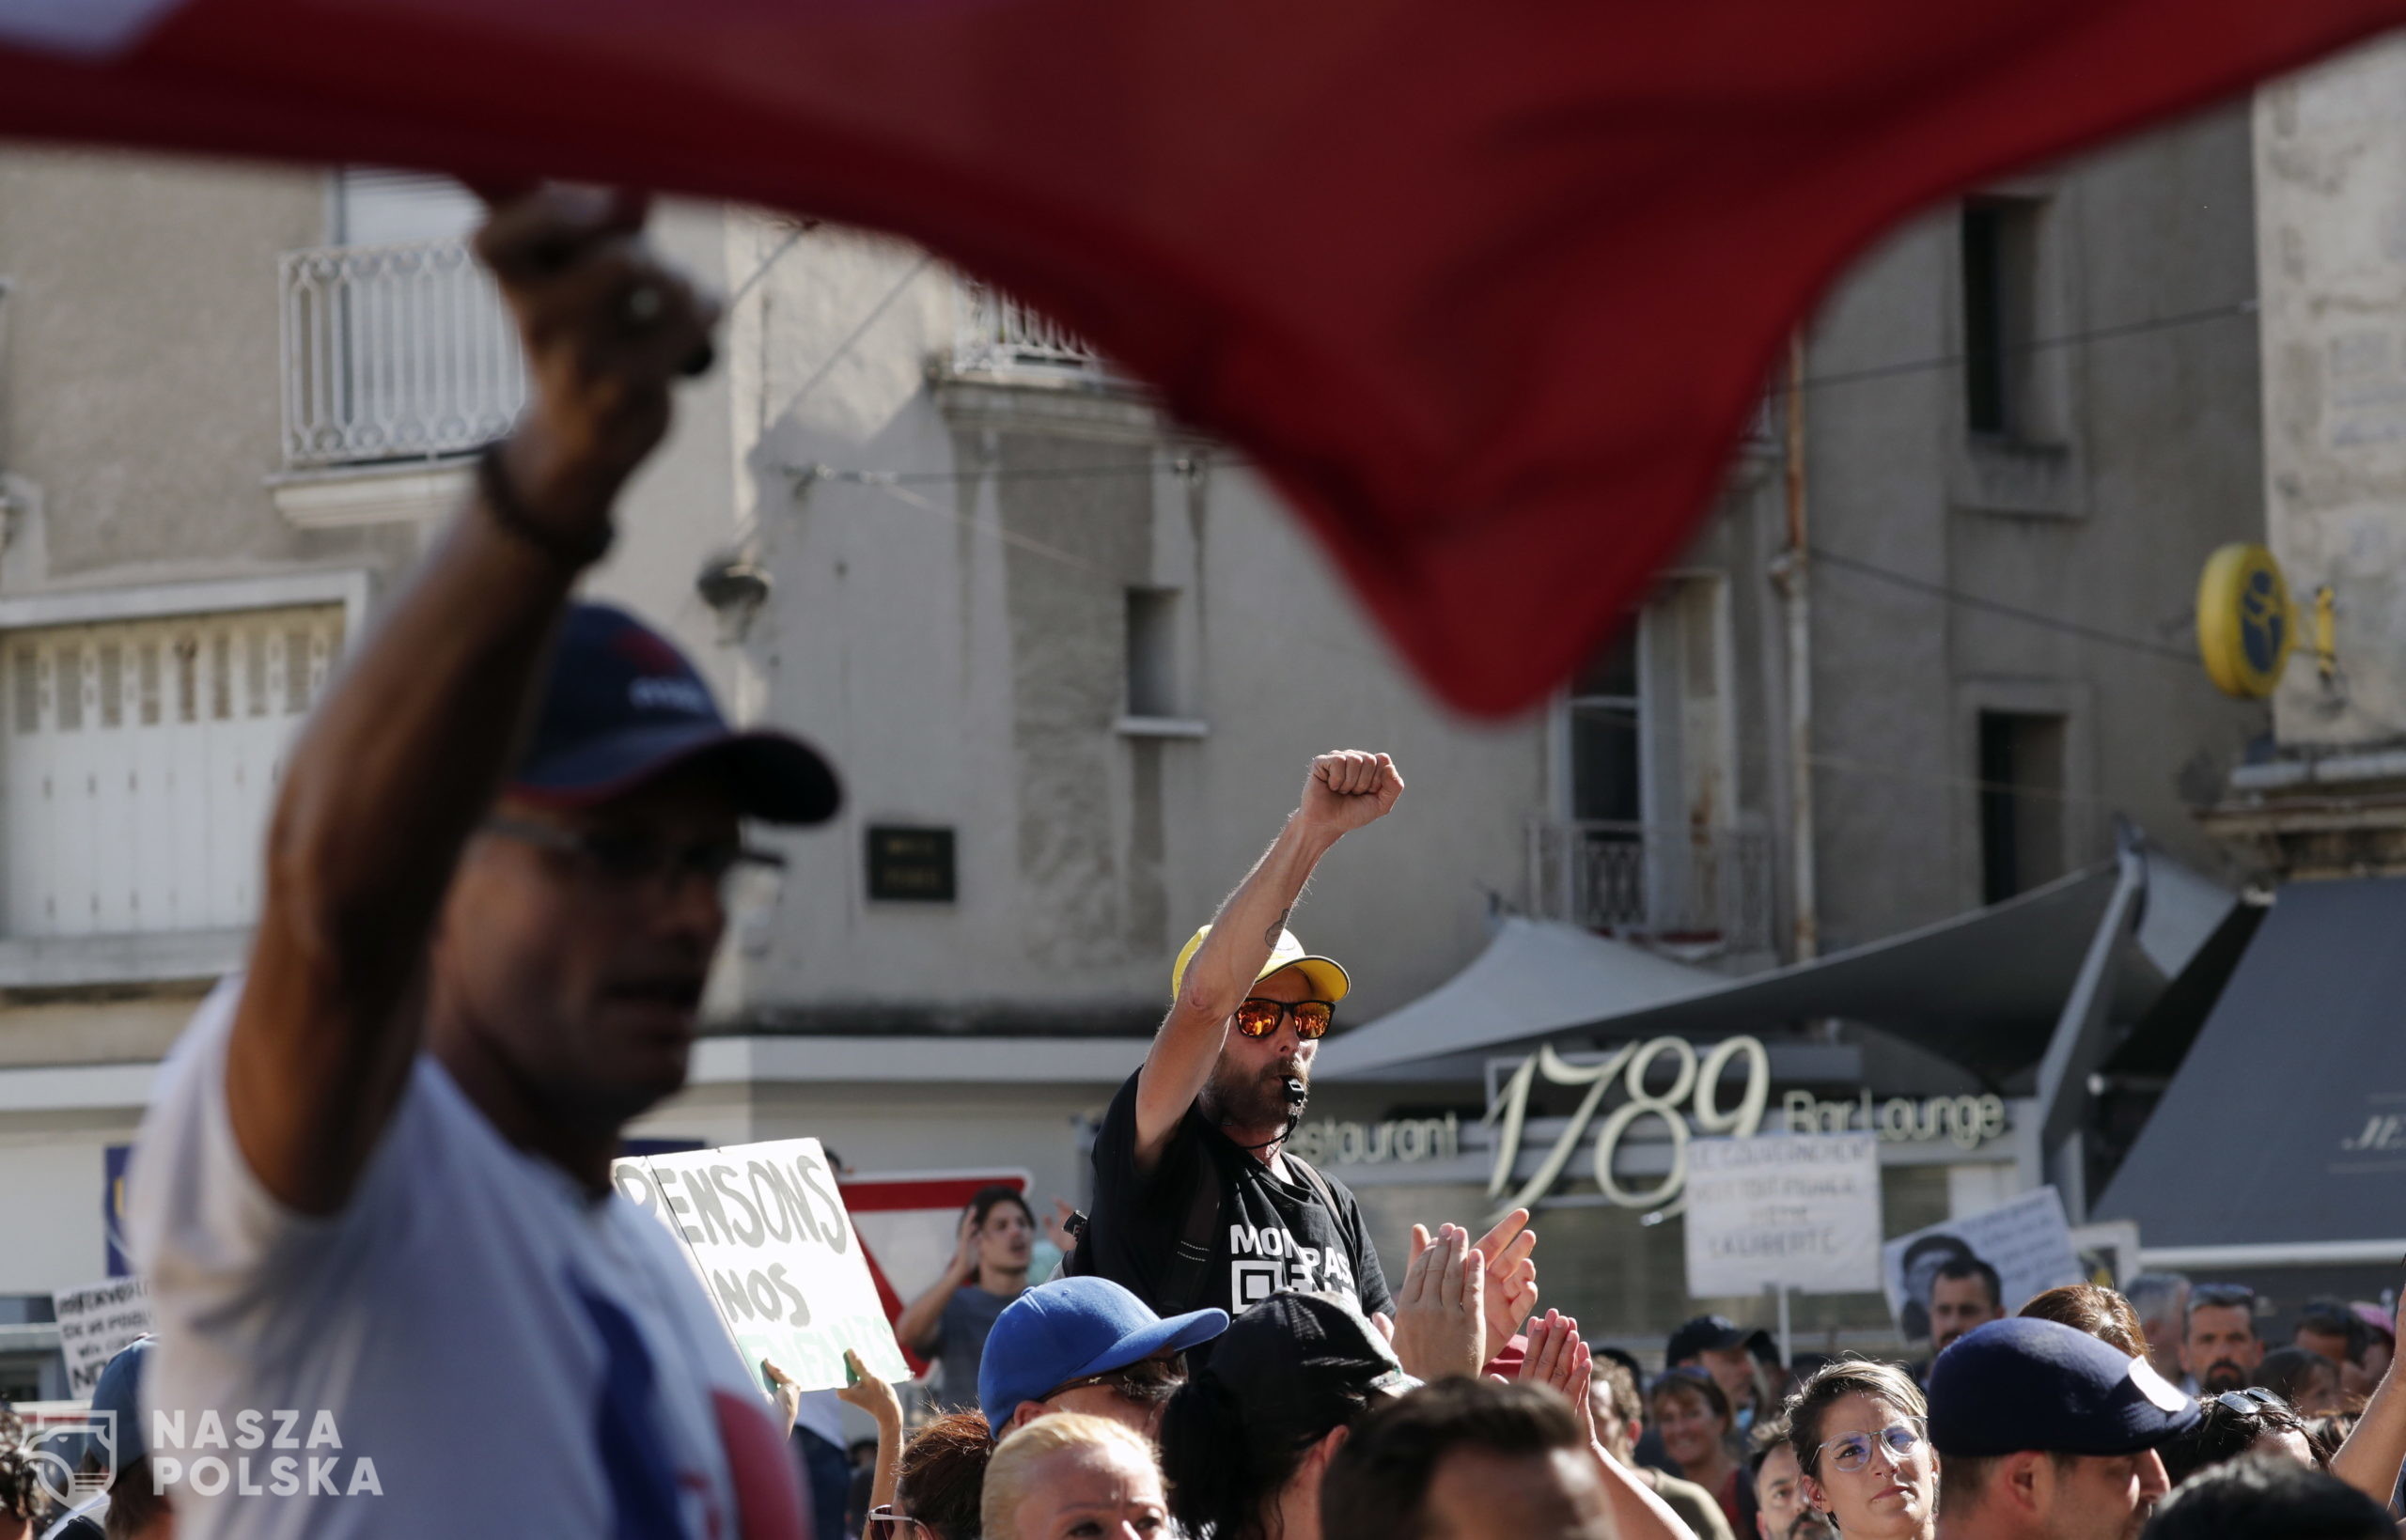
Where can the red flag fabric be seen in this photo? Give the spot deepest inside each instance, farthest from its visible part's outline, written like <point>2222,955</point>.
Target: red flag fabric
<point>1488,290</point>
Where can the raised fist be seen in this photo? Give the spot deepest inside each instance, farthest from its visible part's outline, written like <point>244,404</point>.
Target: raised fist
<point>1349,787</point>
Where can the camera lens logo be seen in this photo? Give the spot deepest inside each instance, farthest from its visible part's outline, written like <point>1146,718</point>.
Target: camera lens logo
<point>74,1462</point>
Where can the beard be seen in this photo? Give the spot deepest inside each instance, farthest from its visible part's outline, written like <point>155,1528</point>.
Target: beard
<point>2222,1375</point>
<point>1256,1100</point>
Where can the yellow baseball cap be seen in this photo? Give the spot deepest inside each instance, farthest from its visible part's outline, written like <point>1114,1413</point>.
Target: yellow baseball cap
<point>1327,975</point>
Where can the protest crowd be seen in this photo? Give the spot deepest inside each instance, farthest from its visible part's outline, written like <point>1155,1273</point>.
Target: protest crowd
<point>493,894</point>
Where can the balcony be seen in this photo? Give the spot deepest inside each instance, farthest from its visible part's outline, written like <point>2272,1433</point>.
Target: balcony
<point>1697,892</point>
<point>393,354</point>
<point>997,337</point>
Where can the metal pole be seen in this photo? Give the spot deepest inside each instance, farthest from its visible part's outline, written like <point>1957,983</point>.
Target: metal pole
<point>1787,1349</point>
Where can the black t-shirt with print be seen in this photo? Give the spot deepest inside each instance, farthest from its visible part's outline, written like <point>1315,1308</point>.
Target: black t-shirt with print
<point>1273,1234</point>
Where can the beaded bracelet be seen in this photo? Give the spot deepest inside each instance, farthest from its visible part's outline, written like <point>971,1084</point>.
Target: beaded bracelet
<point>509,515</point>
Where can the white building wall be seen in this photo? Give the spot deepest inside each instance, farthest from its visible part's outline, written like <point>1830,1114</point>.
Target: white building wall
<point>2330,159</point>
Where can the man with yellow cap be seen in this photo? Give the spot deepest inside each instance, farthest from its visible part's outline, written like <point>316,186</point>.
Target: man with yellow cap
<point>1195,1207</point>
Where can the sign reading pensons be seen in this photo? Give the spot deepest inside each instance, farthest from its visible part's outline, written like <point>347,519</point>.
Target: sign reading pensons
<point>266,1454</point>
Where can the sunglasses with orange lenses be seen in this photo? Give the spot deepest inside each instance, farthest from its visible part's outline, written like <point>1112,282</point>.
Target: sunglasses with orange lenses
<point>1260,1017</point>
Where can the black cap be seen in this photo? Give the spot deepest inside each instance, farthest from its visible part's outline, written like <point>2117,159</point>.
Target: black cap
<point>1703,1334</point>
<point>2023,1383</point>
<point>622,706</point>
<point>1292,1348</point>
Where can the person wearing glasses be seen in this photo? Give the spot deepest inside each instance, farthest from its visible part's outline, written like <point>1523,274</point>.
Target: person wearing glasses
<point>1863,1455</point>
<point>1196,1207</point>
<point>2046,1432</point>
<point>941,1478</point>
<point>1086,1345</point>
<point>374,1182</point>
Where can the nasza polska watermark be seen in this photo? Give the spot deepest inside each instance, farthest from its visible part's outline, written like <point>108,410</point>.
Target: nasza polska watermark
<point>251,1465</point>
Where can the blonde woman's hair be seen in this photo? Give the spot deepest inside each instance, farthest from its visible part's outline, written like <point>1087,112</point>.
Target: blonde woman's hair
<point>1010,1475</point>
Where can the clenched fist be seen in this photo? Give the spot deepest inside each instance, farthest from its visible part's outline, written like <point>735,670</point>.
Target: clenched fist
<point>608,328</point>
<point>1349,788</point>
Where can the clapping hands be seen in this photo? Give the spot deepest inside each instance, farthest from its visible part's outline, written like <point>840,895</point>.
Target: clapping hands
<point>1439,1311</point>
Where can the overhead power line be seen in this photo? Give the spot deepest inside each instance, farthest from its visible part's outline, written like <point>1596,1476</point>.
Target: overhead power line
<point>2013,611</point>
<point>2036,345</point>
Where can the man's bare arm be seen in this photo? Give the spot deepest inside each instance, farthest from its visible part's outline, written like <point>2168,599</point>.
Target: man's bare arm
<point>402,760</point>
<point>1344,791</point>
<point>2370,1457</point>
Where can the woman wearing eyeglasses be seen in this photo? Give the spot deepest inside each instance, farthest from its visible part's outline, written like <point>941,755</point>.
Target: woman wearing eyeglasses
<point>940,1483</point>
<point>1861,1436</point>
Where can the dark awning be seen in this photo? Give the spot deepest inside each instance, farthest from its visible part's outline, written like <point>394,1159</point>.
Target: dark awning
<point>2286,1124</point>
<point>1984,989</point>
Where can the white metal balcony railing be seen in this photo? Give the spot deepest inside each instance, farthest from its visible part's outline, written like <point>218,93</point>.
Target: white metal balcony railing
<point>395,353</point>
<point>998,335</point>
<point>1669,885</point>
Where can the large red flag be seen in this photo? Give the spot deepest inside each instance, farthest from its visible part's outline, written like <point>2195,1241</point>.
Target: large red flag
<point>1488,289</point>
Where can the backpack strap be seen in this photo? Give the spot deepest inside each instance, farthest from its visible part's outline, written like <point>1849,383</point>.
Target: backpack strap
<point>1182,1280</point>
<point>1319,1184</point>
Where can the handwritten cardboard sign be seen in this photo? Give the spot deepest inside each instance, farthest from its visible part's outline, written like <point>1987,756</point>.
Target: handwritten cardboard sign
<point>769,1237</point>
<point>1800,1211</point>
<point>2026,1241</point>
<point>94,1323</point>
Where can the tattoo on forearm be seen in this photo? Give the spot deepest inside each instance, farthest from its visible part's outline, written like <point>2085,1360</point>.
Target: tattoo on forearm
<point>1270,937</point>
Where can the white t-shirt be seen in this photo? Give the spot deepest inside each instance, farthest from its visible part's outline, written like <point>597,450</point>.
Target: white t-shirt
<point>498,1352</point>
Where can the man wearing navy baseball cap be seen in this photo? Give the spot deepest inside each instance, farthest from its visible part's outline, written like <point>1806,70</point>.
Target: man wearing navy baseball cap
<point>1087,1344</point>
<point>2045,1433</point>
<point>374,1183</point>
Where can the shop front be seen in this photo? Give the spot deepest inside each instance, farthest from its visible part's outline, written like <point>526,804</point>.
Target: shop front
<point>1571,1074</point>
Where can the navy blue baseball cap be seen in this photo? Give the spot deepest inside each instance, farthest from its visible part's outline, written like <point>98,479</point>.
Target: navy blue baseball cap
<point>2022,1383</point>
<point>622,706</point>
<point>118,1392</point>
<point>1071,1328</point>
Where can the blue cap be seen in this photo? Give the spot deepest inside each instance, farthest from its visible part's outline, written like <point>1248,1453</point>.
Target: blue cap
<point>2022,1383</point>
<point>1071,1328</point>
<point>622,706</point>
<point>119,1391</point>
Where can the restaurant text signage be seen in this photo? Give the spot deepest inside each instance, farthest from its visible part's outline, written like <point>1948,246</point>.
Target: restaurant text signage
<point>1692,1105</point>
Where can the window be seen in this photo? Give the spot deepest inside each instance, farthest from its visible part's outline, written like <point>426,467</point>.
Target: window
<point>1607,763</point>
<point>374,207</point>
<point>1651,846</point>
<point>397,345</point>
<point>2000,306</point>
<point>1648,729</point>
<point>140,761</point>
<point>1152,652</point>
<point>2022,803</point>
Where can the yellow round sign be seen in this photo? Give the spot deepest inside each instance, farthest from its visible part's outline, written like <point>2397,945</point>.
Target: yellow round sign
<point>2245,626</point>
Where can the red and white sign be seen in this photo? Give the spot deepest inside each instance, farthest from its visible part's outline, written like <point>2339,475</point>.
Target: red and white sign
<point>908,1223</point>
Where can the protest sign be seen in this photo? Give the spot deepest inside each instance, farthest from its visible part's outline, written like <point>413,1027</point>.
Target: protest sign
<point>1797,1211</point>
<point>767,1234</point>
<point>2108,1250</point>
<point>94,1323</point>
<point>2026,1241</point>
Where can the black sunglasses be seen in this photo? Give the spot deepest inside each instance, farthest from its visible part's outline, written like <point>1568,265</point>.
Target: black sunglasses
<point>2255,1401</point>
